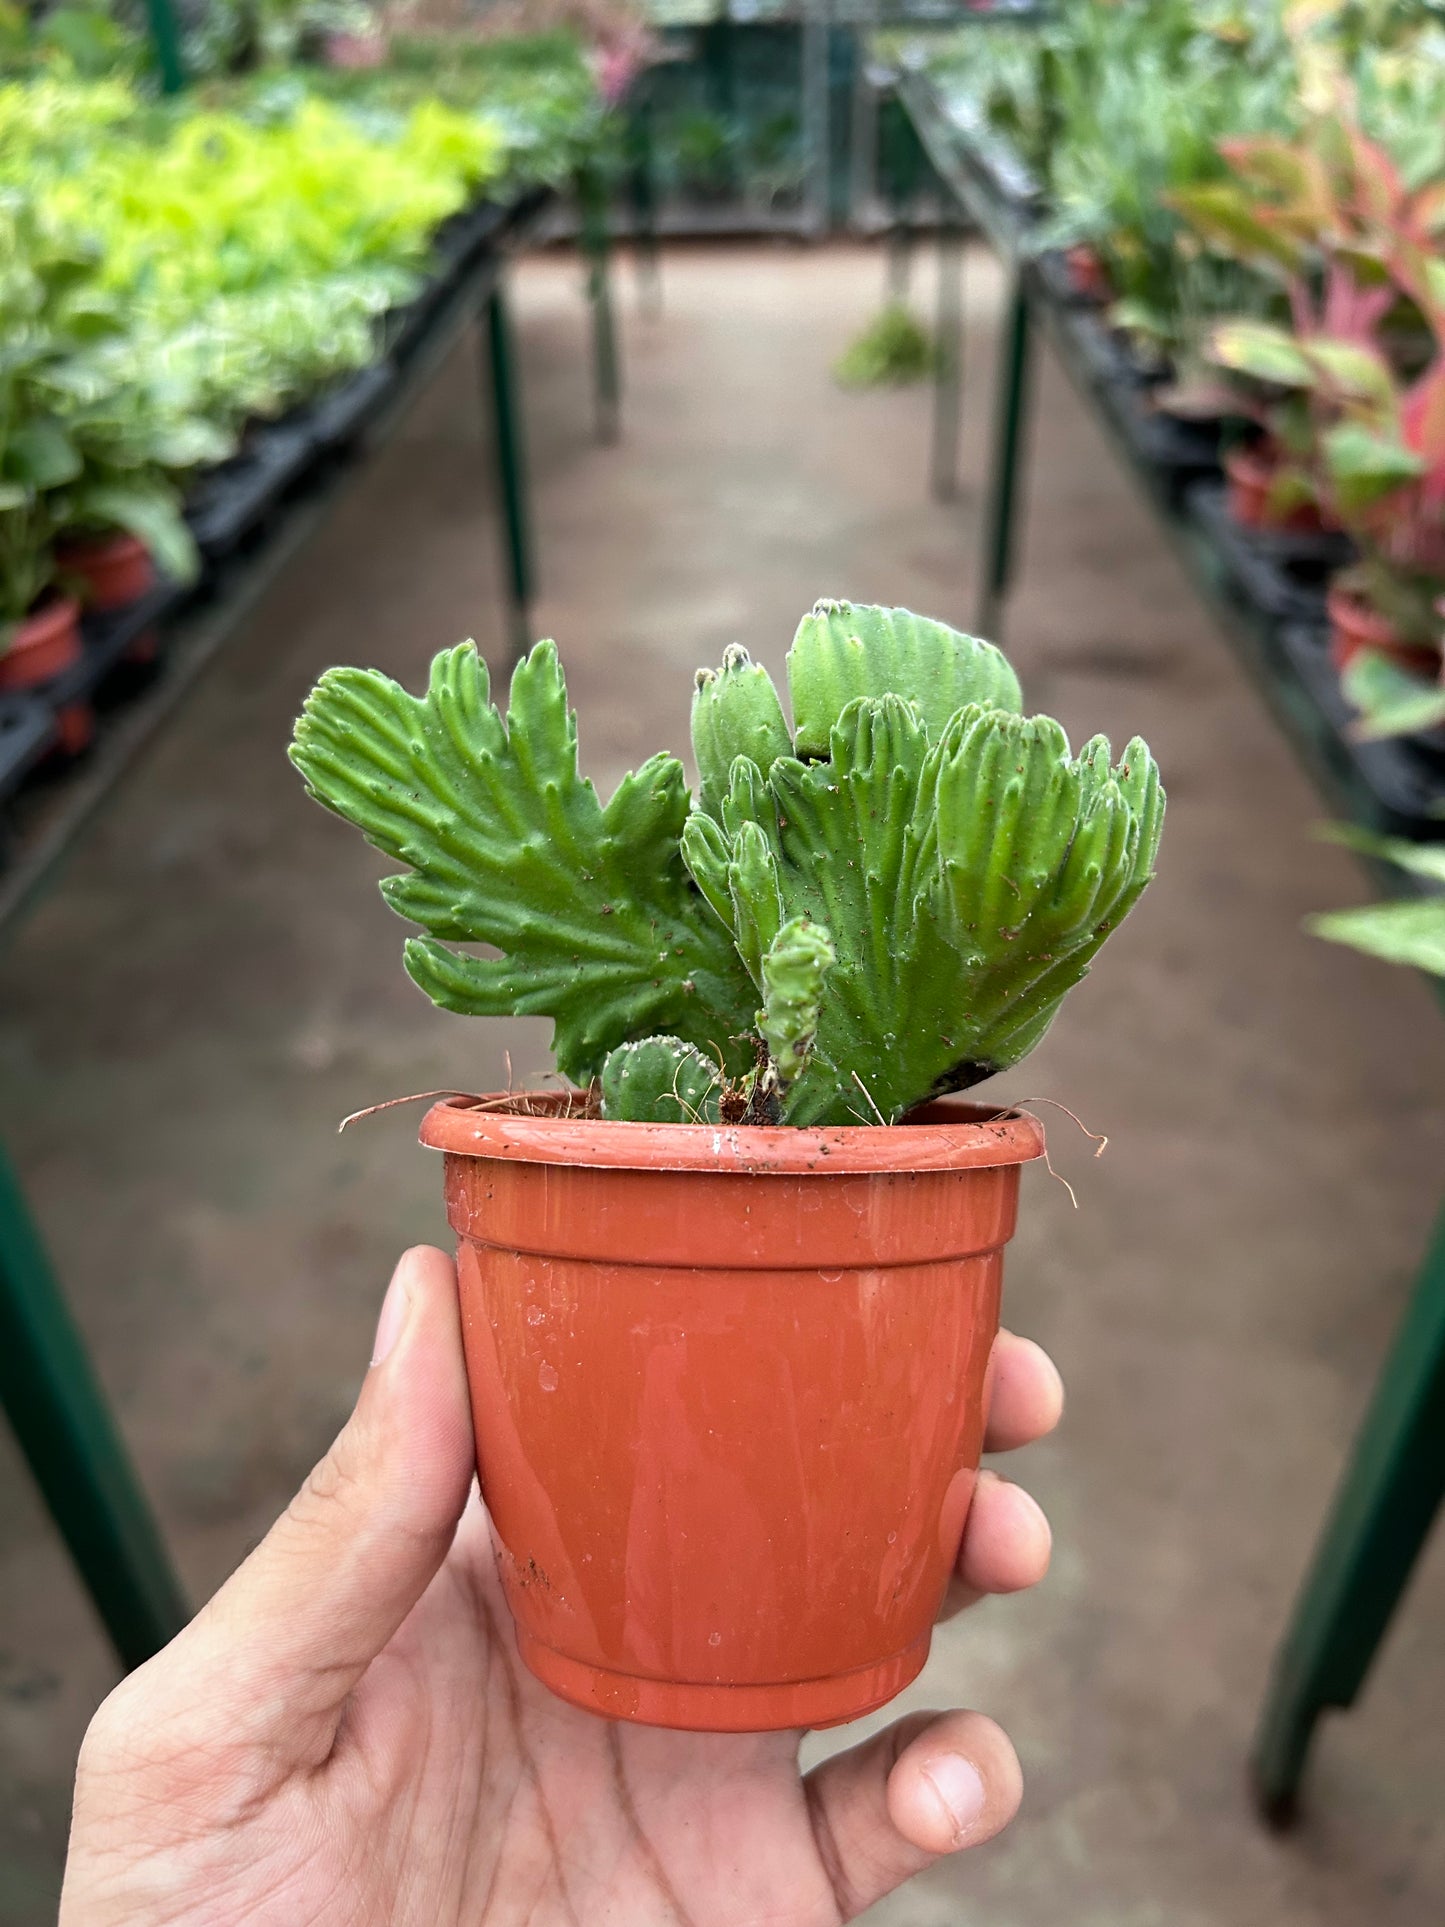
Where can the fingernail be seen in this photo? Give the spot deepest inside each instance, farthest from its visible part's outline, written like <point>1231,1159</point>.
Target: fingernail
<point>393,1317</point>
<point>959,1787</point>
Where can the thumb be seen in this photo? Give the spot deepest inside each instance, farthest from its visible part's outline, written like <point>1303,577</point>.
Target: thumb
<point>923,1787</point>
<point>279,1648</point>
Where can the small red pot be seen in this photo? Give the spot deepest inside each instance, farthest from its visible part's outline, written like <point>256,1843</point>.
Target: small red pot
<point>44,644</point>
<point>728,1394</point>
<point>109,572</point>
<point>356,50</point>
<point>1090,276</point>
<point>1355,626</point>
<point>1251,475</point>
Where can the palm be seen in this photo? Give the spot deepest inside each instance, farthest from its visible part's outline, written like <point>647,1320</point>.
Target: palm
<point>346,1737</point>
<point>455,1758</point>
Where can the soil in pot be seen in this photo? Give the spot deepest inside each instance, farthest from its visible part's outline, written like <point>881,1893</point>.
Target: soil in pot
<point>108,572</point>
<point>1354,626</point>
<point>44,644</point>
<point>728,1394</point>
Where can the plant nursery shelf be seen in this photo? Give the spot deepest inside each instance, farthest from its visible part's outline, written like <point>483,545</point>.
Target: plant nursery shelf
<point>250,518</point>
<point>1270,609</point>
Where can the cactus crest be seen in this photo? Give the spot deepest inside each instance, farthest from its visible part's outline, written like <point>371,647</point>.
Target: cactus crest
<point>885,901</point>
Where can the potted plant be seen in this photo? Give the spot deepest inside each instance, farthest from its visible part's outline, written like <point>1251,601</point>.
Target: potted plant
<point>1383,467</point>
<point>137,427</point>
<point>1328,222</point>
<point>728,1297</point>
<point>39,629</point>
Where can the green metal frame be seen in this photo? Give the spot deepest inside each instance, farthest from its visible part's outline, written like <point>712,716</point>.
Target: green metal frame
<point>596,248</point>
<point>165,35</point>
<point>509,443</point>
<point>60,1417</point>
<point>948,362</point>
<point>1394,1483</point>
<point>1010,425</point>
<point>1383,1509</point>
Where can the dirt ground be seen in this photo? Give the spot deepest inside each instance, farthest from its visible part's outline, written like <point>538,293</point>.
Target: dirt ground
<point>214,982</point>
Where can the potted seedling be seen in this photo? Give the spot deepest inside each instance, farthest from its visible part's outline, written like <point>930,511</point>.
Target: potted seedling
<point>39,628</point>
<point>728,1298</point>
<point>135,430</point>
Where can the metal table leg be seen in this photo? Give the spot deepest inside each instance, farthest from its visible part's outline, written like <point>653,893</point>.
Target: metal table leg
<point>592,199</point>
<point>948,363</point>
<point>1383,1508</point>
<point>60,1417</point>
<point>642,174</point>
<point>509,447</point>
<point>900,258</point>
<point>1009,425</point>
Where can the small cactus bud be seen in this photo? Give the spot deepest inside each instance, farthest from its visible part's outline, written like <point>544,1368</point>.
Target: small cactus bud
<point>735,712</point>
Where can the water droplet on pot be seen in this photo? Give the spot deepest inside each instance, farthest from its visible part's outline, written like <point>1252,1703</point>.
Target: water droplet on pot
<point>830,1277</point>
<point>535,1314</point>
<point>547,1378</point>
<point>893,1538</point>
<point>714,1639</point>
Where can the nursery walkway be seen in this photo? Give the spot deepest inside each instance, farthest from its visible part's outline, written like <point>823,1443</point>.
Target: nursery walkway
<point>215,983</point>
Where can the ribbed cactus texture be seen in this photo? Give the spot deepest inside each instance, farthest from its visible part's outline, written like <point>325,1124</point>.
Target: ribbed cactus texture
<point>886,902</point>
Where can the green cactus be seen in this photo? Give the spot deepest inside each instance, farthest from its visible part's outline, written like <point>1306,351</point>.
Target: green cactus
<point>735,712</point>
<point>597,921</point>
<point>796,962</point>
<point>661,1080</point>
<point>909,883</point>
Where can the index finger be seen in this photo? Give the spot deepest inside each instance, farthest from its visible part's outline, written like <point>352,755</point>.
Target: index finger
<point>1024,1394</point>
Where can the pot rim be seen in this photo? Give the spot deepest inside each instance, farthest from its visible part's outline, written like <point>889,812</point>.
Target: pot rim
<point>1349,610</point>
<point>104,543</point>
<point>53,613</point>
<point>949,1134</point>
<point>1245,462</point>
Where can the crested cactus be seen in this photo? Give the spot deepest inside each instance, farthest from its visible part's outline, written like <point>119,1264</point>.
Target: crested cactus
<point>661,1080</point>
<point>907,881</point>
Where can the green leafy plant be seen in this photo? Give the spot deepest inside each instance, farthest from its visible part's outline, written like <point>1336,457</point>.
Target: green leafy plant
<point>883,901</point>
<point>892,351</point>
<point>46,313</point>
<point>1409,930</point>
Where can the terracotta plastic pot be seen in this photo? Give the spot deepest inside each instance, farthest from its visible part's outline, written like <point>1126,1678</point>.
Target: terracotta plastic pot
<point>1252,473</point>
<point>44,644</point>
<point>728,1394</point>
<point>356,50</point>
<point>74,729</point>
<point>1355,626</point>
<point>1090,276</point>
<point>109,572</point>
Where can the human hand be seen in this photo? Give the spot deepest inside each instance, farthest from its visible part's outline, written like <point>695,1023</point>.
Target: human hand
<point>345,1737</point>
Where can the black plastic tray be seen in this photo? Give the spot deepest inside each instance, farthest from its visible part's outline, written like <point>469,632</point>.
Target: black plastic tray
<point>26,733</point>
<point>1103,352</point>
<point>231,502</point>
<point>110,664</point>
<point>1406,782</point>
<point>1179,451</point>
<point>1287,580</point>
<point>1005,173</point>
<point>338,419</point>
<point>459,241</point>
<point>1052,267</point>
